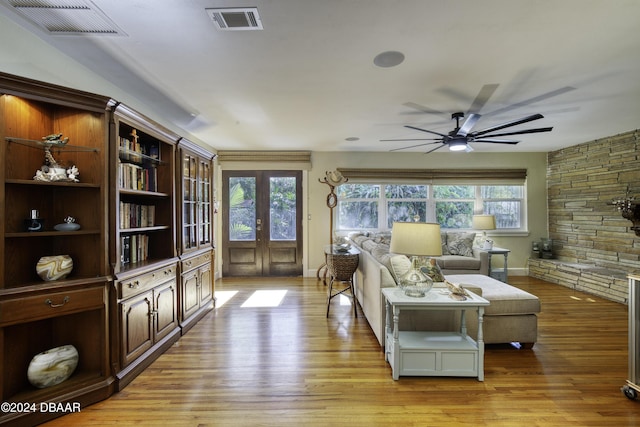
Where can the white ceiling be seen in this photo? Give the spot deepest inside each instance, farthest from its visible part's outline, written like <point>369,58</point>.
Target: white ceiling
<point>307,81</point>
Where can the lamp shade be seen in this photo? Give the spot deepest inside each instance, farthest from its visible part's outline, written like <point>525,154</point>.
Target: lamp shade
<point>484,222</point>
<point>416,238</point>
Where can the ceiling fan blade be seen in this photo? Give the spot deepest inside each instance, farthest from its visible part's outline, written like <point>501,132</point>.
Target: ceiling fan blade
<point>414,146</point>
<point>519,132</point>
<point>425,130</point>
<point>532,100</point>
<point>421,109</point>
<point>411,139</point>
<point>509,124</point>
<point>468,124</point>
<point>437,148</point>
<point>483,96</point>
<point>497,141</point>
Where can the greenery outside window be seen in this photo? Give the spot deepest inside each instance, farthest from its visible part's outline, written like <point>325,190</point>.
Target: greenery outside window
<point>376,206</point>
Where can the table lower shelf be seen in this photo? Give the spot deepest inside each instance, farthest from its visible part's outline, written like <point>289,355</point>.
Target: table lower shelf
<point>433,354</point>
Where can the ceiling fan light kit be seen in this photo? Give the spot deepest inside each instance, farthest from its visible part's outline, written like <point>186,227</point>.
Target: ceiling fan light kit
<point>458,144</point>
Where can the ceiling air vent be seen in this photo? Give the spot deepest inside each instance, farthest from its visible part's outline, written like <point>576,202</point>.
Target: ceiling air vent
<point>235,19</point>
<point>66,17</point>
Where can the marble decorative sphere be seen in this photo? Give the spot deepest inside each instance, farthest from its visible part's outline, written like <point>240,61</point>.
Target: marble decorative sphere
<point>53,366</point>
<point>55,267</point>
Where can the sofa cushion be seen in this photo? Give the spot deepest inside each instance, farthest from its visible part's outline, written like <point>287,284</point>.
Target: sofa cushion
<point>400,264</point>
<point>457,262</point>
<point>505,299</point>
<point>460,243</point>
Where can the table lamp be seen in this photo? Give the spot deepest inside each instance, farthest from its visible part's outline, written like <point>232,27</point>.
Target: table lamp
<point>415,239</point>
<point>484,223</point>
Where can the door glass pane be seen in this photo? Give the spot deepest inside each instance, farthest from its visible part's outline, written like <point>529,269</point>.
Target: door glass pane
<point>282,208</point>
<point>242,208</point>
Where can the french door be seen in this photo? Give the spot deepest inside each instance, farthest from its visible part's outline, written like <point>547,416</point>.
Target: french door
<point>262,223</point>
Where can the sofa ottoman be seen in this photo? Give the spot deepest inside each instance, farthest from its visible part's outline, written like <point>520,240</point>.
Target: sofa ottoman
<point>512,314</point>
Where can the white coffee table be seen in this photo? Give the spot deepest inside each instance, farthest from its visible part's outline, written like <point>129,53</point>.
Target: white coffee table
<point>427,353</point>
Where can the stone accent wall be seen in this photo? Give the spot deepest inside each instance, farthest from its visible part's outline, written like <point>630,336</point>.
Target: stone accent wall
<point>603,282</point>
<point>585,229</point>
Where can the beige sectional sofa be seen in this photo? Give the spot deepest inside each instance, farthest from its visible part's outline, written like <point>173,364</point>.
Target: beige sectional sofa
<point>510,317</point>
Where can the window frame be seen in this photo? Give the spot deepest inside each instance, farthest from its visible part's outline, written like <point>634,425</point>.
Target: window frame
<point>478,204</point>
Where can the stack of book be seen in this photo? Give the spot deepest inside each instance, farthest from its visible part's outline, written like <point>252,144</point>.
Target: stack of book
<point>134,215</point>
<point>134,248</point>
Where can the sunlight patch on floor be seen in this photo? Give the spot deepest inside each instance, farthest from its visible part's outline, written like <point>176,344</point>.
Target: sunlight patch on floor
<point>345,300</point>
<point>223,296</point>
<point>265,298</point>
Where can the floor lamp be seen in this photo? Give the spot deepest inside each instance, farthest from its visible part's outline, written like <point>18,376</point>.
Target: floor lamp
<point>332,179</point>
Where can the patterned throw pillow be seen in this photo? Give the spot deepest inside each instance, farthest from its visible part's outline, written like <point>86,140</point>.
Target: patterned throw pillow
<point>432,269</point>
<point>461,243</point>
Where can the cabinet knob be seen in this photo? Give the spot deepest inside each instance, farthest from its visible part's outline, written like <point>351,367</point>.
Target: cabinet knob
<point>134,285</point>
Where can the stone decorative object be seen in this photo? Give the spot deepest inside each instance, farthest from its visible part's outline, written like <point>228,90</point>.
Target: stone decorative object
<point>53,366</point>
<point>55,267</point>
<point>68,225</point>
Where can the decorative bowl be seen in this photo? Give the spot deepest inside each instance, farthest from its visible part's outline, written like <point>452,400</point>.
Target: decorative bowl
<point>55,267</point>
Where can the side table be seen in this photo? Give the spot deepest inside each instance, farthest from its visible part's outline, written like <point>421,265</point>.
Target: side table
<point>498,273</point>
<point>428,353</point>
<point>341,266</point>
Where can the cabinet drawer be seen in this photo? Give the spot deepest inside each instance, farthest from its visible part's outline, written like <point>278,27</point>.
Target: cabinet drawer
<point>135,285</point>
<point>48,305</point>
<point>196,261</point>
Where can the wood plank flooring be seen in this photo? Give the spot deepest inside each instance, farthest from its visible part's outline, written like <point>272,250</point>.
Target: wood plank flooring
<point>290,365</point>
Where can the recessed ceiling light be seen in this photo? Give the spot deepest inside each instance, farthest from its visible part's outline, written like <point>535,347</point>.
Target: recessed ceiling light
<point>388,59</point>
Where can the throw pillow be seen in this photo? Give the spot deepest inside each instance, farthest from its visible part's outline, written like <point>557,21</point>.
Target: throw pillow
<point>432,269</point>
<point>400,264</point>
<point>461,243</point>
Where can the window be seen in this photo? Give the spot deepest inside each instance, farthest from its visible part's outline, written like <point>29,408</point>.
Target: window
<point>359,206</point>
<point>505,202</point>
<point>378,206</point>
<point>454,205</point>
<point>405,203</point>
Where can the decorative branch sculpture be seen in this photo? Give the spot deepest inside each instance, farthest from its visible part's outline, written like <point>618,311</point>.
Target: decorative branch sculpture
<point>629,208</point>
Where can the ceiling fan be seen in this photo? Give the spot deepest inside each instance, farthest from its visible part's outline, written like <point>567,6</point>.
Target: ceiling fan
<point>460,137</point>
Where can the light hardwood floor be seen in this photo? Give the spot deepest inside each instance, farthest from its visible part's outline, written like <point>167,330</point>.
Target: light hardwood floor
<point>289,365</point>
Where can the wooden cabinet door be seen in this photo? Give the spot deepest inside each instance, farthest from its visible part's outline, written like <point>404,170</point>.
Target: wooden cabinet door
<point>206,284</point>
<point>166,309</point>
<point>137,326</point>
<point>190,293</point>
